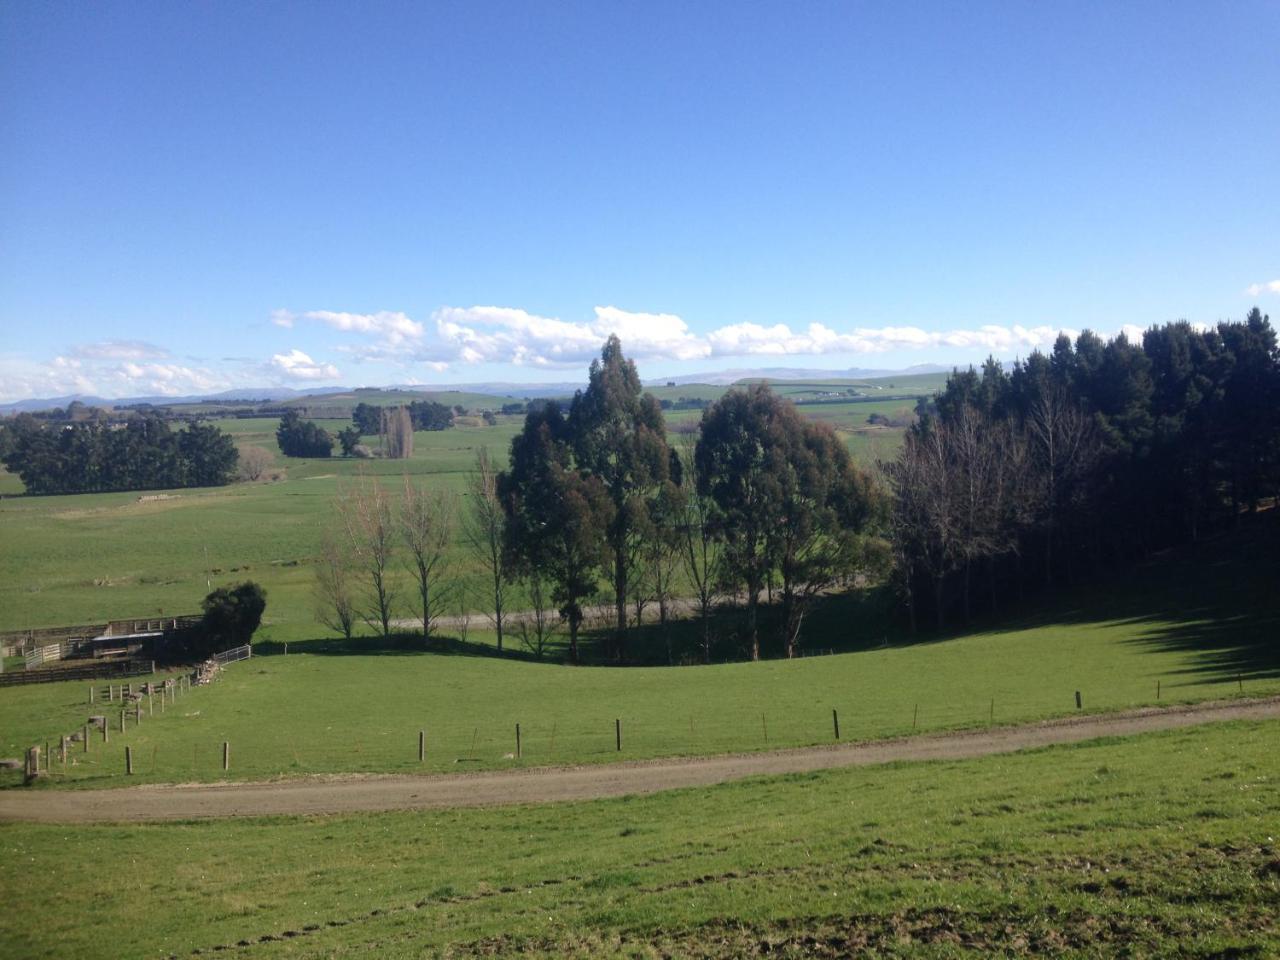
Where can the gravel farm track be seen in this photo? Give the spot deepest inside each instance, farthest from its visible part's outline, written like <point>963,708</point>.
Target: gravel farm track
<point>358,794</point>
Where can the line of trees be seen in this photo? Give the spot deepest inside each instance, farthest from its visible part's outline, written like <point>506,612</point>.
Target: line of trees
<point>381,556</point>
<point>1099,452</point>
<point>596,502</point>
<point>144,453</point>
<point>597,492</point>
<point>367,418</point>
<point>1096,453</point>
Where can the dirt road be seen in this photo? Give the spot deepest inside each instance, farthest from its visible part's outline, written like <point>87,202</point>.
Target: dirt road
<point>549,784</point>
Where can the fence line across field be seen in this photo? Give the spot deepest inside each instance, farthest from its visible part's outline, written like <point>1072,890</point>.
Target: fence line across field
<point>554,737</point>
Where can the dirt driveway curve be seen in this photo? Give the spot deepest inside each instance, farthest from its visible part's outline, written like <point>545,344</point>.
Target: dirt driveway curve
<point>549,784</point>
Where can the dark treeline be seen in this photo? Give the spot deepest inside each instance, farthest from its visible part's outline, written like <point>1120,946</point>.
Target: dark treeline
<point>143,453</point>
<point>424,414</point>
<point>302,438</point>
<point>1097,453</point>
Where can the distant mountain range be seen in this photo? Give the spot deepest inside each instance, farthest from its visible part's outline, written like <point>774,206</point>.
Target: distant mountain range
<point>493,388</point>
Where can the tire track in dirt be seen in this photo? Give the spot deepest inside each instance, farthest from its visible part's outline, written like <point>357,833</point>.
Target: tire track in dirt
<point>324,796</point>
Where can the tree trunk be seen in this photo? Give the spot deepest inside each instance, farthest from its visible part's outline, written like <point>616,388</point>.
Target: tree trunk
<point>753,599</point>
<point>1048,556</point>
<point>938,583</point>
<point>706,630</point>
<point>497,607</point>
<point>573,638</point>
<point>426,602</point>
<point>620,599</point>
<point>911,606</point>
<point>662,625</point>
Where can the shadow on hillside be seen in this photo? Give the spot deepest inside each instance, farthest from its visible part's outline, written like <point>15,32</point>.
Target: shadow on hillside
<point>397,645</point>
<point>1213,602</point>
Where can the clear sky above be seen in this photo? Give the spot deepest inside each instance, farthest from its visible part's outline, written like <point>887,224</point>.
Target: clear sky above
<point>196,196</point>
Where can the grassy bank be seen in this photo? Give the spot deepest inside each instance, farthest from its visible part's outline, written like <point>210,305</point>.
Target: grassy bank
<point>1189,626</point>
<point>1164,845</point>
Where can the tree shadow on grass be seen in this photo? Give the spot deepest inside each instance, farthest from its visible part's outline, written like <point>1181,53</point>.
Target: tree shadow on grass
<point>1213,602</point>
<point>396,645</point>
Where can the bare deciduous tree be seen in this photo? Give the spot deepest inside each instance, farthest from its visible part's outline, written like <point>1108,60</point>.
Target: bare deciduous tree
<point>1065,447</point>
<point>253,464</point>
<point>462,604</point>
<point>538,626</point>
<point>369,531</point>
<point>923,519</point>
<point>335,601</point>
<point>426,523</point>
<point>482,527</point>
<point>699,549</point>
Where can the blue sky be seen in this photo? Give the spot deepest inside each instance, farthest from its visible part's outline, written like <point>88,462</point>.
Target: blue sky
<point>197,196</point>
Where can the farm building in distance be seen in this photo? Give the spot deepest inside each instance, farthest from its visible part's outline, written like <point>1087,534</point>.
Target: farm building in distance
<point>89,650</point>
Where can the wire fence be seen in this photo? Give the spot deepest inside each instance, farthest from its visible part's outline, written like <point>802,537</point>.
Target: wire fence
<point>151,736</point>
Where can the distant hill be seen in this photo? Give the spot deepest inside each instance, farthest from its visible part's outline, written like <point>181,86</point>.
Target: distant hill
<point>477,393</point>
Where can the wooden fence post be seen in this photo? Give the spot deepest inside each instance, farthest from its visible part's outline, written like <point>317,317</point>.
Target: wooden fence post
<point>1077,699</point>
<point>106,730</point>
<point>226,756</point>
<point>128,760</point>
<point>517,741</point>
<point>91,693</point>
<point>86,738</point>
<point>835,722</point>
<point>422,745</point>
<point>915,715</point>
<point>765,727</point>
<point>617,733</point>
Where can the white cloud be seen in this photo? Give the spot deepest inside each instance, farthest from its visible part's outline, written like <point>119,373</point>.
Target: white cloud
<point>120,350</point>
<point>21,378</point>
<point>282,318</point>
<point>296,365</point>
<point>510,335</point>
<point>750,339</point>
<point>1256,289</point>
<point>393,328</point>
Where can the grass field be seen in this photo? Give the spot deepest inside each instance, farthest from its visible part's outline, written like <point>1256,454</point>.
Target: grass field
<point>92,557</point>
<point>1202,625</point>
<point>1160,846</point>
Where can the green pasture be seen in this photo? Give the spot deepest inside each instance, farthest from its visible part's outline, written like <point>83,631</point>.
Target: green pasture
<point>1198,625</point>
<point>1162,845</point>
<point>92,557</point>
